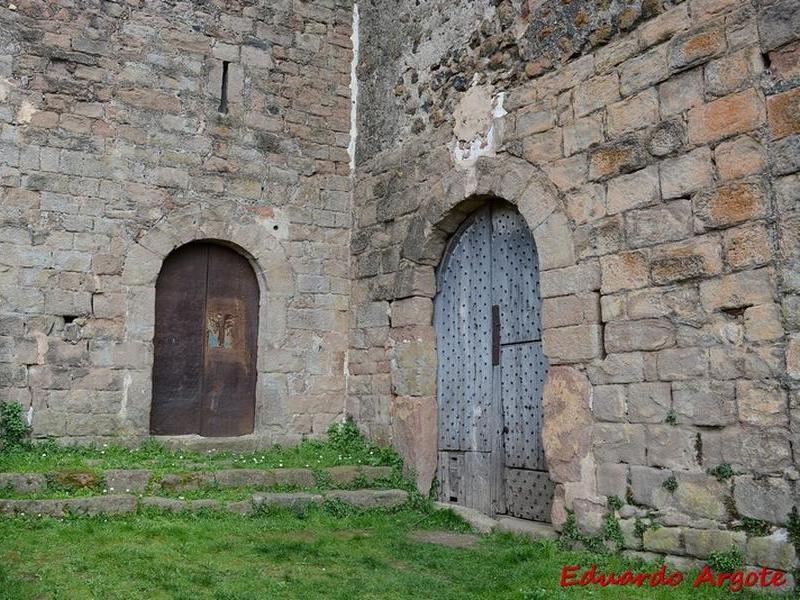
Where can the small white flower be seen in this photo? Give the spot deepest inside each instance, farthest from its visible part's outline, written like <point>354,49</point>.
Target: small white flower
<point>105,491</point>
<point>111,488</point>
<point>181,498</point>
<point>127,490</point>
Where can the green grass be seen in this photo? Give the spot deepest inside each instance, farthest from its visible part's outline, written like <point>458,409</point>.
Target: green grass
<point>329,552</point>
<point>44,457</point>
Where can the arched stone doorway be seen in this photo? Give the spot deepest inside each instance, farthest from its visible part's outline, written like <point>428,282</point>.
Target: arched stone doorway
<point>567,395</point>
<point>491,369</point>
<point>205,343</point>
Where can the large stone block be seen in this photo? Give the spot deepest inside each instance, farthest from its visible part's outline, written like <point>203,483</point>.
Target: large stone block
<point>768,499</point>
<point>412,311</point>
<point>739,157</point>
<point>747,245</point>
<point>608,402</point>
<point>711,403</point>
<point>686,174</point>
<point>413,367</point>
<point>569,280</point>
<point>612,480</point>
<point>626,270</point>
<point>647,484</point>
<point>414,436</point>
<point>730,204</point>
<point>700,495</point>
<point>698,257</point>
<point>620,156</point>
<point>672,447</point>
<point>570,310</point>
<point>633,190</point>
<point>765,450</point>
<point>627,367</point>
<point>763,323</point>
<point>664,539</point>
<point>778,23</point>
<point>736,113</point>
<point>704,542</point>
<point>613,442</point>
<point>738,289</point>
<point>696,46</point>
<point>682,363</point>
<point>644,70</point>
<point>566,434</point>
<point>577,343</point>
<point>664,223</point>
<point>774,551</point>
<point>761,405</point>
<point>648,402</point>
<point>646,334</point>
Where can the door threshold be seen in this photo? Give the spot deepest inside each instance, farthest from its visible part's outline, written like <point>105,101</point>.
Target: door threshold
<point>531,529</point>
<point>193,441</point>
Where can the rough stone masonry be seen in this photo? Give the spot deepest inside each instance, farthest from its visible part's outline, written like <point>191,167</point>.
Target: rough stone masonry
<point>652,147</point>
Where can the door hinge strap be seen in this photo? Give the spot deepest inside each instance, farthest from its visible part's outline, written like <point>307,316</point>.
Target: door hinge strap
<point>495,335</point>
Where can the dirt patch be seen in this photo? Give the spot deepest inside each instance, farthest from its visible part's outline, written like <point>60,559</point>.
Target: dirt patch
<point>445,538</point>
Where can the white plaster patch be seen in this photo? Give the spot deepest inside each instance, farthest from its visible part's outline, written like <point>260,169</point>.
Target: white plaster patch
<point>26,112</point>
<point>477,122</point>
<point>351,147</point>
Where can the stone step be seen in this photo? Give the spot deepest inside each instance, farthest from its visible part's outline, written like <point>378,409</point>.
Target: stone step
<point>485,523</point>
<point>141,480</point>
<point>531,529</point>
<point>125,503</point>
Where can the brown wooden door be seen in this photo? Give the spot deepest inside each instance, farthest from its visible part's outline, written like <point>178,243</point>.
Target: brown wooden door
<point>204,369</point>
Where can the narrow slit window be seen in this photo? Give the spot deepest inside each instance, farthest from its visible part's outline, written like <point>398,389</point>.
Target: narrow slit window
<point>223,94</point>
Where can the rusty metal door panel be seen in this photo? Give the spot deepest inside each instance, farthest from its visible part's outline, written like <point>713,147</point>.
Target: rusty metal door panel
<point>229,382</point>
<point>178,341</point>
<point>204,370</point>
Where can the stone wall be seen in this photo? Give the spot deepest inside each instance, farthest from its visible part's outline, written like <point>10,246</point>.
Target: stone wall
<point>653,149</point>
<point>113,151</point>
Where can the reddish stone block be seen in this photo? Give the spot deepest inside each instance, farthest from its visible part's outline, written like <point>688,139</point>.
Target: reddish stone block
<point>783,113</point>
<point>736,113</point>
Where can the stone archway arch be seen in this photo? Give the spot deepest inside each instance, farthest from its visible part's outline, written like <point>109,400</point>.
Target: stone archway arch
<point>568,393</point>
<point>255,234</point>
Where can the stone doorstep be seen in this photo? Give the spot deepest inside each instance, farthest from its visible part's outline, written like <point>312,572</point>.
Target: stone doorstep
<point>96,505</point>
<point>137,480</point>
<point>486,524</point>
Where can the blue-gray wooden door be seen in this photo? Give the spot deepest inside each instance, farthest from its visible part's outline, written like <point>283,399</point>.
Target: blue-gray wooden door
<point>491,368</point>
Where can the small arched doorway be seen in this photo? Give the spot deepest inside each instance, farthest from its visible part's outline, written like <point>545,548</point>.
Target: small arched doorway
<point>491,369</point>
<point>206,331</point>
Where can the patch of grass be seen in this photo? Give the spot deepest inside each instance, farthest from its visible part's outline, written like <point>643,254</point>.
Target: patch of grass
<point>345,446</point>
<point>280,554</point>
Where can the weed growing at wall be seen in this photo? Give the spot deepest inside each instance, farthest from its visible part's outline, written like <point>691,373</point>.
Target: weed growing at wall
<point>726,561</point>
<point>670,484</point>
<point>722,471</point>
<point>13,429</point>
<point>755,527</point>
